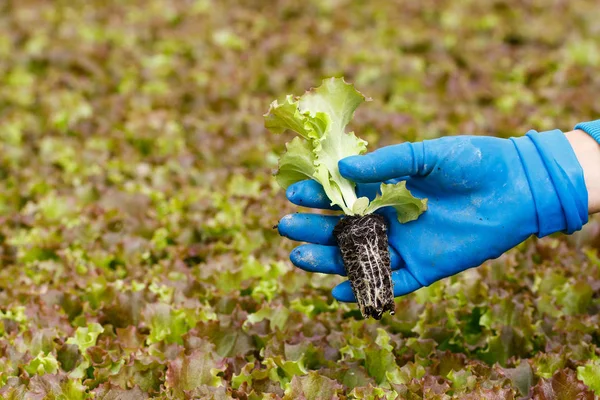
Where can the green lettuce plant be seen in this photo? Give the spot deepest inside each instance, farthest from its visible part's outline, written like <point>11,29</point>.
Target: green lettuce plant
<point>320,118</point>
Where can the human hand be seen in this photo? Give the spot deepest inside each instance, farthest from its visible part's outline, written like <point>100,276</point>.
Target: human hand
<point>485,196</point>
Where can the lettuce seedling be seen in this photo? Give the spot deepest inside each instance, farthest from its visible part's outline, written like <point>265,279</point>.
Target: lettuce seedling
<point>320,118</point>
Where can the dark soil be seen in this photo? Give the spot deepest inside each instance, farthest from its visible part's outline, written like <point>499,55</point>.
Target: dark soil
<point>363,242</point>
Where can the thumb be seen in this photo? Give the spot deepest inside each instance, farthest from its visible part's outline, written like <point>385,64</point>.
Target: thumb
<point>405,159</point>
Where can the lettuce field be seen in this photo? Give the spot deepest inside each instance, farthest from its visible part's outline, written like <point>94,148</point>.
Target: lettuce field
<point>139,255</point>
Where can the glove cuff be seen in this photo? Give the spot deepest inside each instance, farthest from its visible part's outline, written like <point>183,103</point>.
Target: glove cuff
<point>556,181</point>
<point>592,128</point>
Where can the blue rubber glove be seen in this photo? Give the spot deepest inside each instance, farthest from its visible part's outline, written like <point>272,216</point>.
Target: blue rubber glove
<point>486,195</point>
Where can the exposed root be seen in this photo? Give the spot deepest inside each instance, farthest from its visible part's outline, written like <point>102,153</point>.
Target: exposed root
<point>363,242</point>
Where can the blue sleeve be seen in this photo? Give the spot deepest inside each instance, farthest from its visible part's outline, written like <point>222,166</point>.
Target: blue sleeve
<point>556,181</point>
<point>592,128</point>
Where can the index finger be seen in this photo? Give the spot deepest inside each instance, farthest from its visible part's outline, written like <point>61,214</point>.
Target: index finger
<point>405,159</point>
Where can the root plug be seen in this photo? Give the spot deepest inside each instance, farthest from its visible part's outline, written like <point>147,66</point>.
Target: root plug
<point>363,242</point>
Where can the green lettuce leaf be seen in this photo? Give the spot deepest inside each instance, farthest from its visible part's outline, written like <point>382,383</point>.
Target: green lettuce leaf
<point>360,205</point>
<point>287,116</point>
<point>398,196</point>
<point>296,164</point>
<point>85,337</point>
<point>338,100</point>
<point>590,375</point>
<point>320,118</point>
<point>42,364</point>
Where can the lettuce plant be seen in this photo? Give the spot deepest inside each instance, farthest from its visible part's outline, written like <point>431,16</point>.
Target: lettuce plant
<point>320,117</point>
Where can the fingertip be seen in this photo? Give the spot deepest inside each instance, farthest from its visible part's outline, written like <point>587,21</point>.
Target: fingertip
<point>285,224</point>
<point>318,258</point>
<point>383,164</point>
<point>296,255</point>
<point>404,282</point>
<point>343,292</point>
<point>348,167</point>
<point>361,168</point>
<point>298,190</point>
<point>309,193</point>
<point>291,191</point>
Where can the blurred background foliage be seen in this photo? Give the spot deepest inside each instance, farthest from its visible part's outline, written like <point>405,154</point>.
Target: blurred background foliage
<point>137,204</point>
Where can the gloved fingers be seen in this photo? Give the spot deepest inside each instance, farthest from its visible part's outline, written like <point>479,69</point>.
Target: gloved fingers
<point>309,193</point>
<point>328,259</point>
<point>405,159</point>
<point>404,283</point>
<point>312,228</point>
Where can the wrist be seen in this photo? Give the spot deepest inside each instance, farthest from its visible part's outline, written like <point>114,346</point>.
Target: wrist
<point>587,151</point>
<point>556,181</point>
